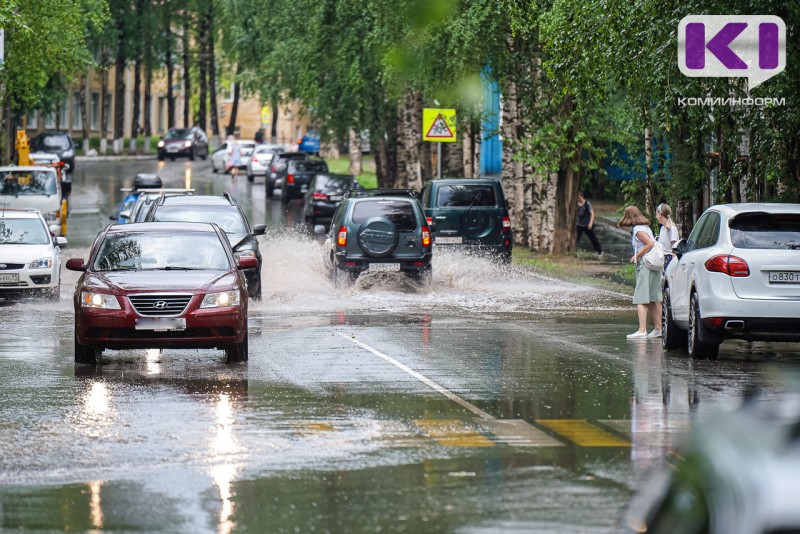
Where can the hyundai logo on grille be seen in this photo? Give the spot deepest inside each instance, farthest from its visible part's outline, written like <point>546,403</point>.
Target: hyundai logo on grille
<point>160,304</point>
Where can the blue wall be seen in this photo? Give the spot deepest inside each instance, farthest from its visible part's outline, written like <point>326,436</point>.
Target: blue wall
<point>491,146</point>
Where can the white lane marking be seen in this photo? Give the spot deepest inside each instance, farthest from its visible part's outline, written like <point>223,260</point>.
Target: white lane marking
<point>425,380</point>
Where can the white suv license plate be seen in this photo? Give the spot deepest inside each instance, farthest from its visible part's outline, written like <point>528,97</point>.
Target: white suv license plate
<point>449,240</point>
<point>784,277</point>
<point>161,324</point>
<point>9,278</point>
<point>384,266</point>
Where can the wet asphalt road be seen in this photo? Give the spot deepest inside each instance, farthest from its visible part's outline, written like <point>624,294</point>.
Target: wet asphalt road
<point>492,401</point>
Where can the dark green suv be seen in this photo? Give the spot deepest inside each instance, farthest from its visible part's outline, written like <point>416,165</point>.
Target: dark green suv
<point>468,213</point>
<point>377,233</point>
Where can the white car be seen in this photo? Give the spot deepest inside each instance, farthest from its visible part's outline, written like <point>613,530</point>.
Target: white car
<point>32,187</point>
<point>29,258</point>
<point>737,275</point>
<point>261,159</point>
<point>219,158</point>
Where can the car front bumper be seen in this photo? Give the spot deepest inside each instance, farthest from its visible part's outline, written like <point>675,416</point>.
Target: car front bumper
<point>24,279</point>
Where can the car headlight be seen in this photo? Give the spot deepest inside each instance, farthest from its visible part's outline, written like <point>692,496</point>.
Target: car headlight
<point>187,144</point>
<point>68,153</point>
<point>161,144</point>
<point>41,263</point>
<point>220,300</point>
<point>99,300</point>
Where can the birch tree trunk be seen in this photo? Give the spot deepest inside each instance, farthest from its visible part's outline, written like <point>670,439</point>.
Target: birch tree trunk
<point>354,152</point>
<point>148,103</point>
<point>452,159</point>
<point>103,117</point>
<point>187,78</point>
<point>119,89</point>
<point>84,119</point>
<point>137,82</point>
<point>212,75</point>
<point>202,62</point>
<point>648,166</point>
<point>512,174</point>
<point>409,126</point>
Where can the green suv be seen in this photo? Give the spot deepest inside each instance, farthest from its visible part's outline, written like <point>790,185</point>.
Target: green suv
<point>468,213</point>
<point>385,232</point>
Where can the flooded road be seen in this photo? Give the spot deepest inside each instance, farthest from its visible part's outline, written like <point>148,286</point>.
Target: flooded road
<point>493,400</point>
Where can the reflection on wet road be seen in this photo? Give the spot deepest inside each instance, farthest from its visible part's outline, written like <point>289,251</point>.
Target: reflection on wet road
<point>492,400</point>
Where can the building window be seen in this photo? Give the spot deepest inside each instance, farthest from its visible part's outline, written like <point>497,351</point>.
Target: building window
<point>33,123</point>
<point>77,124</point>
<point>94,112</point>
<point>50,120</point>
<point>62,114</point>
<point>107,106</point>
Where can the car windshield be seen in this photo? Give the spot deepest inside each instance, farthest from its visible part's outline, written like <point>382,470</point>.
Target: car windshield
<point>56,142</point>
<point>23,232</point>
<point>178,134</point>
<point>25,182</point>
<point>123,251</point>
<point>766,231</point>
<point>399,212</point>
<point>309,166</point>
<point>463,196</point>
<point>226,217</point>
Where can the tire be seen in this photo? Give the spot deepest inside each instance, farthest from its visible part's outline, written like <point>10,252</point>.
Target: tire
<point>238,352</point>
<point>251,178</point>
<point>270,189</point>
<point>424,277</point>
<point>172,158</point>
<point>193,154</point>
<point>161,157</point>
<point>697,345</point>
<point>672,338</point>
<point>205,155</point>
<point>86,353</point>
<point>213,167</point>
<point>255,293</point>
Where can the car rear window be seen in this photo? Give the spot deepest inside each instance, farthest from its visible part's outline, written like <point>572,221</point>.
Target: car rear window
<point>23,232</point>
<point>464,196</point>
<point>57,142</point>
<point>766,230</point>
<point>124,251</point>
<point>331,182</point>
<point>399,212</point>
<point>178,134</point>
<point>226,217</point>
<point>23,182</point>
<point>309,166</point>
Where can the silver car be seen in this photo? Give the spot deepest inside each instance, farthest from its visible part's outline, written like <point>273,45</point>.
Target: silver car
<point>259,163</point>
<point>737,275</point>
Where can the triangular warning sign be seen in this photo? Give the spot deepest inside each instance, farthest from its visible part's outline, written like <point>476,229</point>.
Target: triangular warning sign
<point>439,129</point>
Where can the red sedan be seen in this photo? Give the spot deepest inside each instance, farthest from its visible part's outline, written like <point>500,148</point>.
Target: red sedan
<point>161,285</point>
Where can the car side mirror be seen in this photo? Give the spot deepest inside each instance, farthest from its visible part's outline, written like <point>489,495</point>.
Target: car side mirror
<point>75,264</point>
<point>61,241</point>
<point>680,248</point>
<point>259,229</point>
<point>319,229</point>
<point>247,262</point>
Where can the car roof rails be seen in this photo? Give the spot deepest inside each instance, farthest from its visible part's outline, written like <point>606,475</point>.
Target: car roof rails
<point>381,192</point>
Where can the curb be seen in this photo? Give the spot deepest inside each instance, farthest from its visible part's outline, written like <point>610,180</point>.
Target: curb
<point>121,157</point>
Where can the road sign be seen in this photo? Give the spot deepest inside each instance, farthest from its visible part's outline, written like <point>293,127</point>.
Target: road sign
<point>439,125</point>
<point>266,114</point>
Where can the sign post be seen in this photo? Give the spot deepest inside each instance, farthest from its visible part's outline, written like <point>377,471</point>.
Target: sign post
<point>439,126</point>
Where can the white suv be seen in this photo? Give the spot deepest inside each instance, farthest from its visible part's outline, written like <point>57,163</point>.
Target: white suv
<point>28,254</point>
<point>32,187</point>
<point>736,276</point>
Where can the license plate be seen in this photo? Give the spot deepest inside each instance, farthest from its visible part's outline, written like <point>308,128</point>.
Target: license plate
<point>9,278</point>
<point>161,324</point>
<point>784,277</point>
<point>449,240</point>
<point>335,198</point>
<point>172,149</point>
<point>384,266</point>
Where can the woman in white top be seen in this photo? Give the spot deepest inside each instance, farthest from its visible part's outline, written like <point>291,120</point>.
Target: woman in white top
<point>647,294</point>
<point>668,235</point>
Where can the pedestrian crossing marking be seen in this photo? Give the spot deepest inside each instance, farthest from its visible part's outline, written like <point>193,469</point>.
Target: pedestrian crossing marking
<point>519,433</point>
<point>583,433</point>
<point>453,433</point>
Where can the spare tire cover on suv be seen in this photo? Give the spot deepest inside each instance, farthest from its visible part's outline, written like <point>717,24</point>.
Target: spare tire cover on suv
<point>477,224</point>
<point>378,237</point>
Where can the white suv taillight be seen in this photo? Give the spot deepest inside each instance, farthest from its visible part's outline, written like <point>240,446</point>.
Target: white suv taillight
<point>726,264</point>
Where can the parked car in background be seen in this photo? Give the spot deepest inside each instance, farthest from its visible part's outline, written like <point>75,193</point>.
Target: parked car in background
<point>220,156</point>
<point>293,180</point>
<point>469,214</point>
<point>738,470</point>
<point>29,254</point>
<point>226,213</point>
<point>142,181</point>
<point>278,164</point>
<point>259,162</point>
<point>58,143</point>
<point>160,285</point>
<point>309,143</point>
<point>325,193</point>
<point>148,197</point>
<point>377,233</point>
<point>183,143</point>
<point>33,187</point>
<point>737,276</point>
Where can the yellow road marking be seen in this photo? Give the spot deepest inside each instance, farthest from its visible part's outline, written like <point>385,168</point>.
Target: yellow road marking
<point>519,433</point>
<point>583,433</point>
<point>453,433</point>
